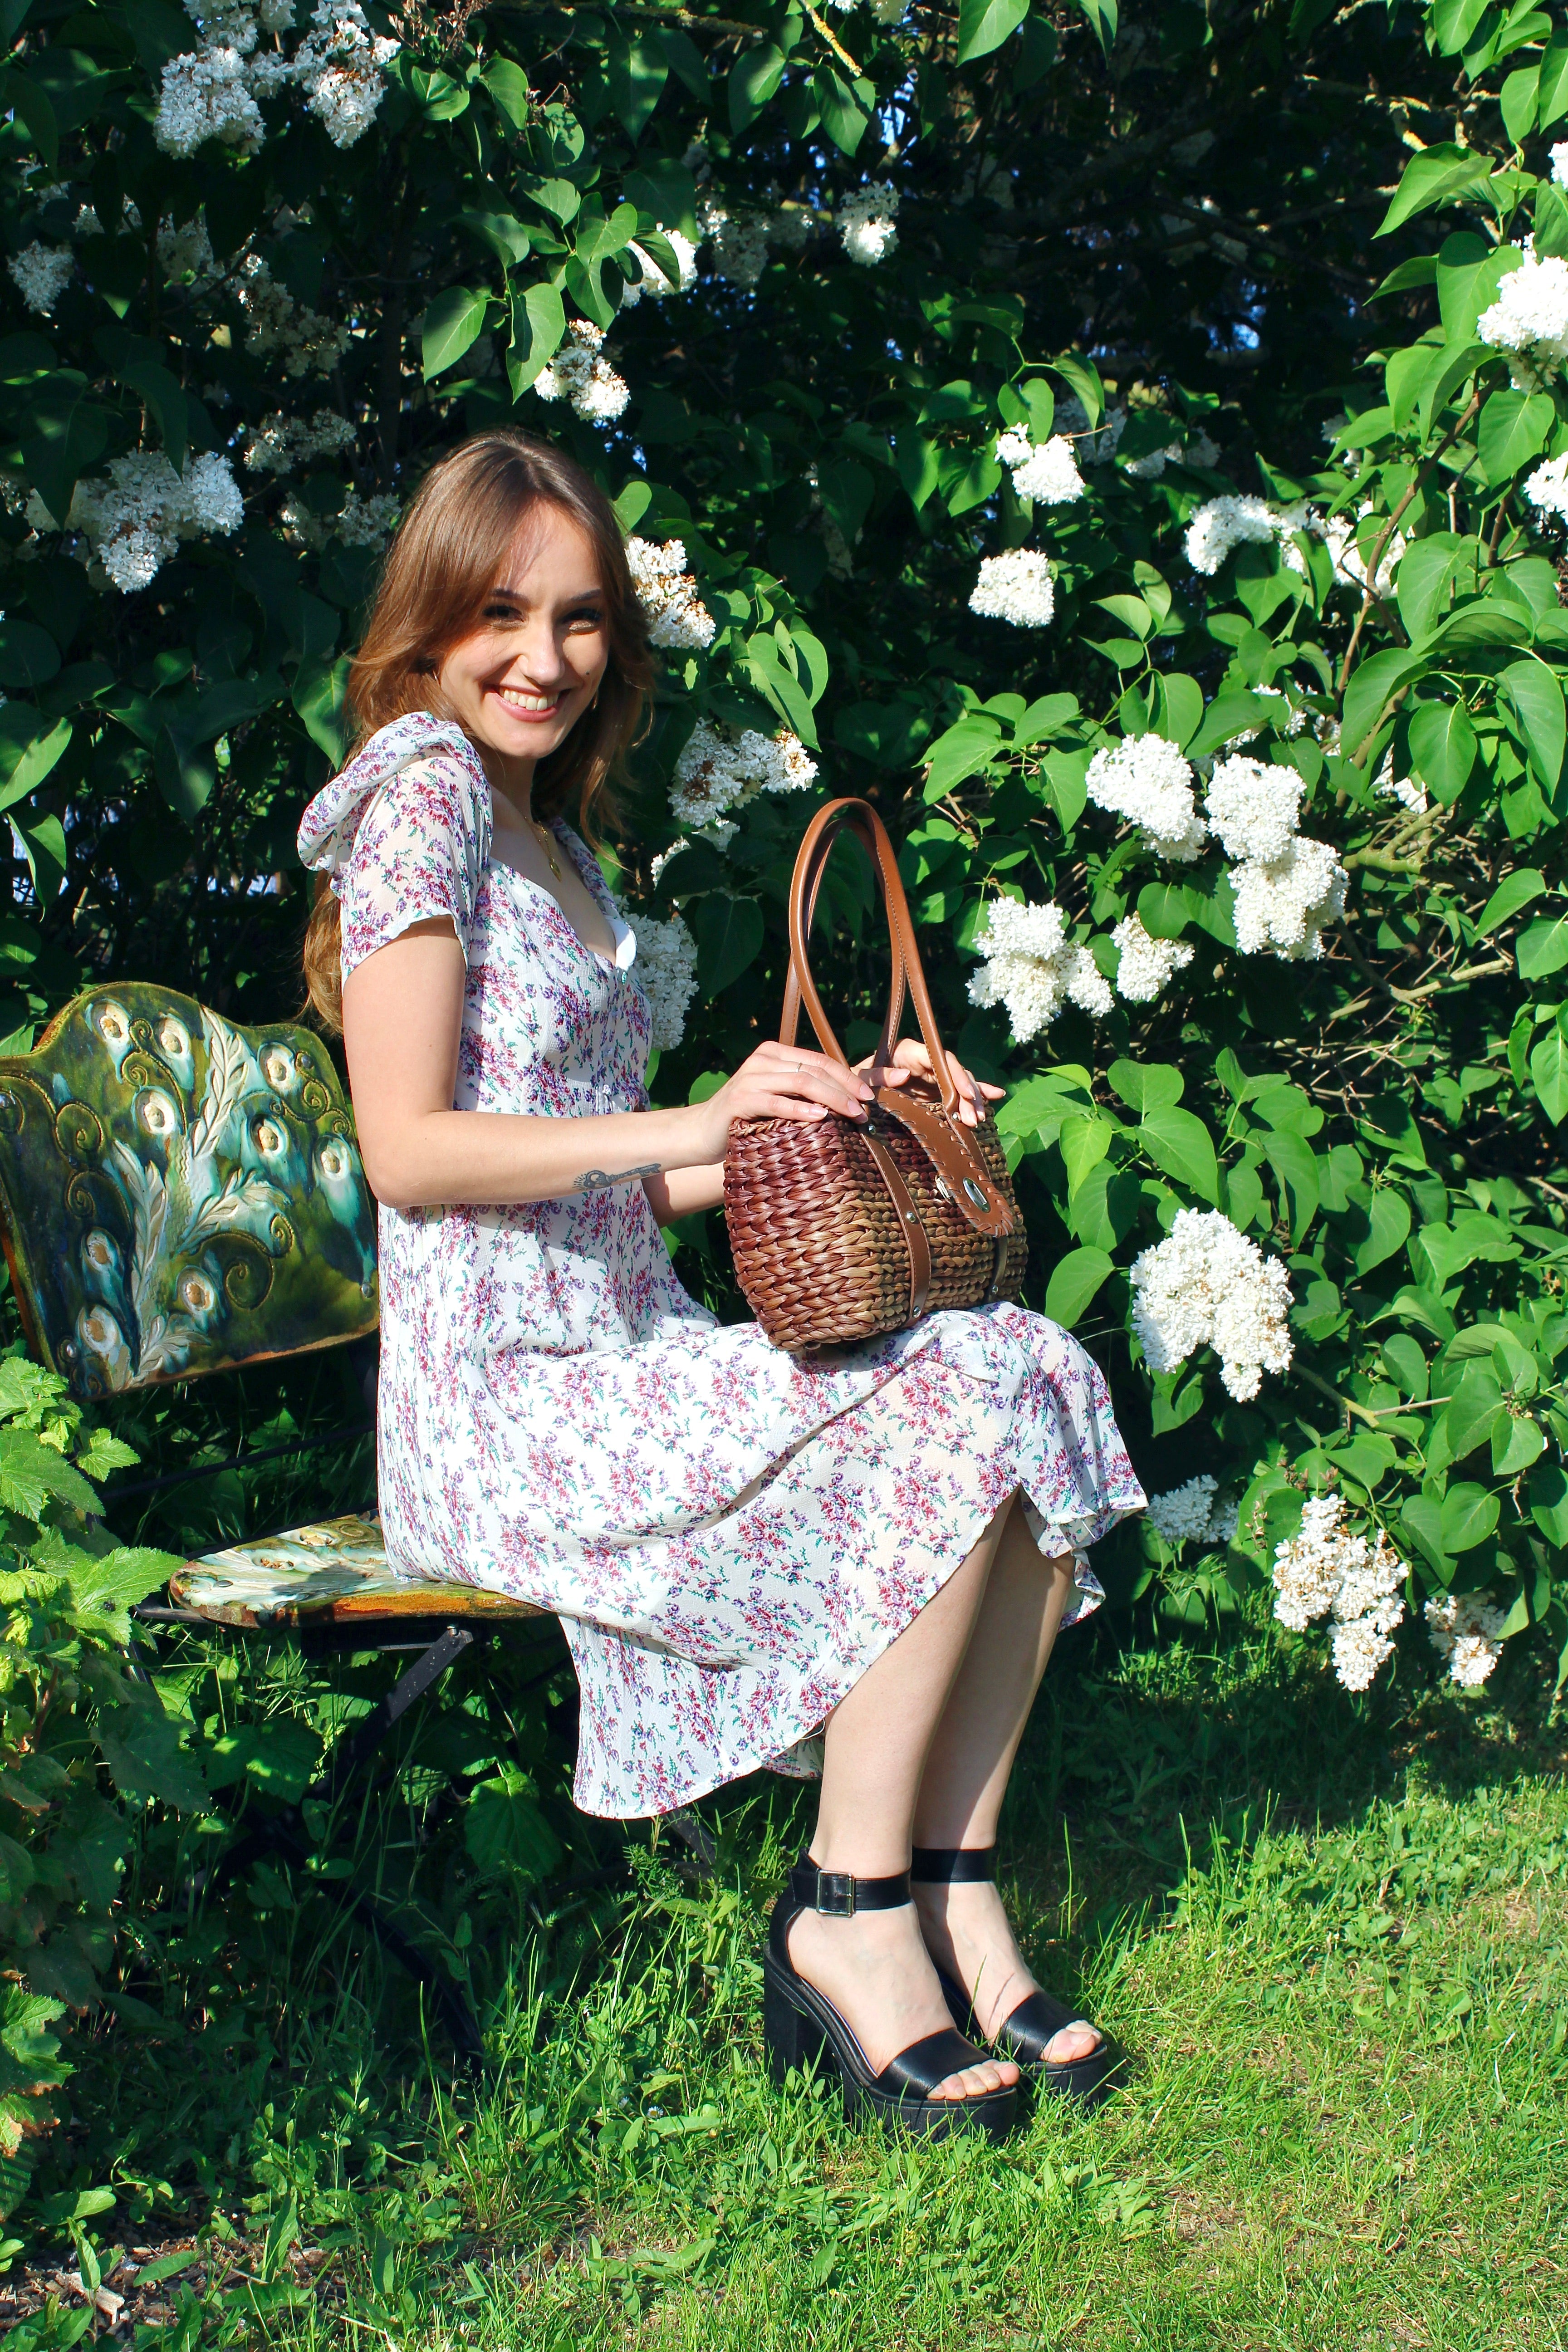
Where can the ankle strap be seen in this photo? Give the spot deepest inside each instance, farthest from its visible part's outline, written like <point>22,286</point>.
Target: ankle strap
<point>838,1897</point>
<point>949,1865</point>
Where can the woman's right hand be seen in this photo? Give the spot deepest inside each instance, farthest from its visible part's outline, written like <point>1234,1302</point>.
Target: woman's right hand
<point>780,1082</point>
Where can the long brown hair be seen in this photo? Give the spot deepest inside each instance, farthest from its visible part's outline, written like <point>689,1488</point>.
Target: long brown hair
<point>439,574</point>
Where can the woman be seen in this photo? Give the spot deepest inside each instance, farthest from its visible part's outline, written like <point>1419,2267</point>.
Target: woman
<point>743,1548</point>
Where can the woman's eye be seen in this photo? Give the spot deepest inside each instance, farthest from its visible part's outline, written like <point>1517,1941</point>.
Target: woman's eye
<point>585,620</point>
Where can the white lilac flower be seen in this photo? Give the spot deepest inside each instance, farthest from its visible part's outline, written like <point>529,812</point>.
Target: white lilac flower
<point>1032,968</point>
<point>42,273</point>
<point>1253,806</point>
<point>1559,155</point>
<point>1149,468</point>
<point>186,256</point>
<point>668,594</point>
<point>280,443</point>
<point>1207,1285</point>
<point>311,343</point>
<point>866,222</point>
<point>1547,488</point>
<point>665,969</point>
<point>580,374</point>
<point>886,12</point>
<point>740,241</point>
<point>214,494</point>
<point>207,94</point>
<point>1015,587</point>
<point>1201,452</point>
<point>1528,320</point>
<point>653,282</point>
<point>718,834</point>
<point>367,522</point>
<point>341,66</point>
<point>87,223</point>
<point>1096,447</point>
<point>724,767</point>
<point>1187,1513</point>
<point>1286,903</point>
<point>1145,780</point>
<point>1047,474</point>
<point>1147,964</point>
<point>136,519</point>
<point>1223,523</point>
<point>1466,1633</point>
<point>1325,1570</point>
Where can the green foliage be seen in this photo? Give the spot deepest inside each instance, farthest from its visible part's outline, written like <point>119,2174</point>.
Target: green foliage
<point>1205,228</point>
<point>76,1727</point>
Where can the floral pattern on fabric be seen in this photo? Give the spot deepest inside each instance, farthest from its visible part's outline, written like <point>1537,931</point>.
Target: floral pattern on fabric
<point>730,1537</point>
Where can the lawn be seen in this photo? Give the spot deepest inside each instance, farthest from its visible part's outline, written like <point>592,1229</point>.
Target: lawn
<point>1333,1933</point>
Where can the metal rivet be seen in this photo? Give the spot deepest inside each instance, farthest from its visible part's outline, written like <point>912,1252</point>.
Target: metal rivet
<point>975,1193</point>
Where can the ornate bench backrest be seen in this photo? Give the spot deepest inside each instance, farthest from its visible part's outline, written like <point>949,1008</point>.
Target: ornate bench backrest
<point>179,1196</point>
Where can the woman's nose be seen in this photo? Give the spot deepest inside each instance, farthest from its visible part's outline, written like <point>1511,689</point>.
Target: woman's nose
<point>539,658</point>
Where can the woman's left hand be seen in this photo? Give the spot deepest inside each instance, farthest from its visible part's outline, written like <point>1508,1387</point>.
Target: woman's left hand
<point>909,1054</point>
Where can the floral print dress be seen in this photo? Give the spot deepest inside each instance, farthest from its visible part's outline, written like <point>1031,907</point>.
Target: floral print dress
<point>730,1537</point>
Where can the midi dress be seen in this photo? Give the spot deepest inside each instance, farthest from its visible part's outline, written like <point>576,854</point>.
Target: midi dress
<point>730,1537</point>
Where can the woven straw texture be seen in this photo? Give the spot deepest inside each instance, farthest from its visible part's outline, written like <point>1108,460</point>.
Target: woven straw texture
<point>817,1245</point>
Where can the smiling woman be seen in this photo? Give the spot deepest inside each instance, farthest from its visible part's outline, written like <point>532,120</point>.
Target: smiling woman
<point>747,1549</point>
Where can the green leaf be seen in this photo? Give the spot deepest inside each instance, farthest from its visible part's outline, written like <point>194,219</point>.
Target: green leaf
<point>1295,1164</point>
<point>1521,96</point>
<point>1083,1144</point>
<point>505,1830</point>
<point>1512,897</point>
<point>507,85</point>
<point>1442,748</point>
<point>1531,693</point>
<point>1144,1085</point>
<point>538,326</point>
<point>1469,1516</point>
<point>1542,946</point>
<point>845,108</point>
<point>1513,428</point>
<point>1438,174</point>
<point>142,1748</point>
<point>30,748</point>
<point>965,747</point>
<point>34,112</point>
<point>320,697</point>
<point>1165,909</point>
<point>1369,690</point>
<point>1547,1490</point>
<point>917,462</point>
<point>1102,16</point>
<point>638,69</point>
<point>1549,1075</point>
<point>1553,100</point>
<point>450,325</point>
<point>1178,707</point>
<point>1421,1518</point>
<point>1178,1142</point>
<point>1075,1281</point>
<point>729,934</point>
<point>1389,1219</point>
<point>29,656</point>
<point>33,1475</point>
<point>280,1755</point>
<point>105,1591</point>
<point>753,78</point>
<point>1468,1420</point>
<point>984,24</point>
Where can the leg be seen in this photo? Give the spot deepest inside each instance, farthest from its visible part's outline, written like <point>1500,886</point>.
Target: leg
<point>875,1968</point>
<point>968,1767</point>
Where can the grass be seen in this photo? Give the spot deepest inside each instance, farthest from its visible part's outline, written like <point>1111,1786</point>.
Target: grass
<point>1334,1934</point>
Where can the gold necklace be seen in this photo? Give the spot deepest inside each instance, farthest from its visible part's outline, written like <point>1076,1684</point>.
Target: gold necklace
<point>548,846</point>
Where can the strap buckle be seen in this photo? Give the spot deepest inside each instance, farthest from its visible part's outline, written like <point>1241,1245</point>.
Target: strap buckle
<point>834,1894</point>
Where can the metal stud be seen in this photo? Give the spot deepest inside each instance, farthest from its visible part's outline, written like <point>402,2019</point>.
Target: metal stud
<point>975,1194</point>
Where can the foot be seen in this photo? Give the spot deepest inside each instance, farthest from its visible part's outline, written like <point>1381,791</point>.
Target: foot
<point>877,1974</point>
<point>967,1933</point>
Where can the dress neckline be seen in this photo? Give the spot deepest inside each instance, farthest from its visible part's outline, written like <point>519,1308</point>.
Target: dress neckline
<point>620,931</point>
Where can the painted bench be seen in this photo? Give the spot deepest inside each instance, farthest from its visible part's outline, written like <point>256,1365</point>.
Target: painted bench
<point>181,1196</point>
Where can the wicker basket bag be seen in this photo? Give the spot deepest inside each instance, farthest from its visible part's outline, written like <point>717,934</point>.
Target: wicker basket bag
<point>843,1229</point>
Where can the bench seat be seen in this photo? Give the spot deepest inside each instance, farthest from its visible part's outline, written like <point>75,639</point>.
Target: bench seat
<point>329,1574</point>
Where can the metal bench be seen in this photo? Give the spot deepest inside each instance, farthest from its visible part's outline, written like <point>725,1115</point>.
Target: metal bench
<point>178,1196</point>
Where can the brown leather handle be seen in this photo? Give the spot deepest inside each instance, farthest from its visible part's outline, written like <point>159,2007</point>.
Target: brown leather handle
<point>859,817</point>
<point>963,1174</point>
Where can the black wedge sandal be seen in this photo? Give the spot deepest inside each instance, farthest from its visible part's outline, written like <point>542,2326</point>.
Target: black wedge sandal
<point>1027,2032</point>
<point>798,2022</point>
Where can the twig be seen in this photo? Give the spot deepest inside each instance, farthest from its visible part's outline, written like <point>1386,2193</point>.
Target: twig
<point>1387,533</point>
<point>832,40</point>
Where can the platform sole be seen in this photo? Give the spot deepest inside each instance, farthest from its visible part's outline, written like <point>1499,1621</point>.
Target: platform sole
<point>798,2026</point>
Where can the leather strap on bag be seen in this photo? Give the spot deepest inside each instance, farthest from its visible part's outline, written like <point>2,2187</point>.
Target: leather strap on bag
<point>935,1126</point>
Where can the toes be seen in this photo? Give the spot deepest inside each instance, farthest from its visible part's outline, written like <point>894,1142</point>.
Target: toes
<point>1074,2042</point>
<point>978,2081</point>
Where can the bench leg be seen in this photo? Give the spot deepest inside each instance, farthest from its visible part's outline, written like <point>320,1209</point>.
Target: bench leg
<point>351,1753</point>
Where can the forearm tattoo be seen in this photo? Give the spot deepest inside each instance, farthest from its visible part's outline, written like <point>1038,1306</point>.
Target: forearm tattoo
<point>599,1180</point>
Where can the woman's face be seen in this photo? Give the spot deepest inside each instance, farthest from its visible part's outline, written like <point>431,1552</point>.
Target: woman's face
<point>520,683</point>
